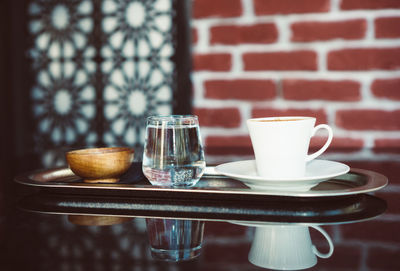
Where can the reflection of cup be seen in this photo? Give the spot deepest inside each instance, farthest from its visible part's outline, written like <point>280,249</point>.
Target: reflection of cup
<point>286,247</point>
<point>175,240</point>
<point>281,144</point>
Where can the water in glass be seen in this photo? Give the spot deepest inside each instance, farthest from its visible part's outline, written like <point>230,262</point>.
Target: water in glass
<point>173,153</point>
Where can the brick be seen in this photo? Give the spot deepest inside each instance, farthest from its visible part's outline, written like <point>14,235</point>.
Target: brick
<point>220,8</point>
<point>339,144</point>
<point>237,253</point>
<point>368,119</point>
<point>344,257</point>
<point>266,7</point>
<point>195,36</point>
<point>384,258</point>
<point>322,31</point>
<point>228,145</point>
<point>241,145</point>
<point>320,114</point>
<point>372,231</point>
<point>318,239</point>
<point>387,145</point>
<point>281,61</point>
<point>369,4</point>
<point>219,117</point>
<point>388,27</point>
<point>364,59</point>
<point>386,88</point>
<point>392,199</point>
<point>212,62</point>
<point>240,89</point>
<point>304,90</point>
<point>222,229</point>
<point>390,169</point>
<point>237,34</point>
<point>223,267</point>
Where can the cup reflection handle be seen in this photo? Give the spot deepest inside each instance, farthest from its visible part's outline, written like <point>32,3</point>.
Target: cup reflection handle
<point>327,143</point>
<point>328,238</point>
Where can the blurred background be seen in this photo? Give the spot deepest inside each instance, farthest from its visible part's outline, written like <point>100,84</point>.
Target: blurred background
<point>336,60</point>
<point>85,73</point>
<point>79,74</point>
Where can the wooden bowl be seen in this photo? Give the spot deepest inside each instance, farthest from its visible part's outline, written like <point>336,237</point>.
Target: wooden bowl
<point>100,165</point>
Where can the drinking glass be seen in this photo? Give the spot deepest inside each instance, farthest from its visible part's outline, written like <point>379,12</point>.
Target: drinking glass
<point>173,153</point>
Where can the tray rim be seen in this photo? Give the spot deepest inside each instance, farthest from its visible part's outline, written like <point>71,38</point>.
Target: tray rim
<point>374,182</point>
<point>243,223</point>
<point>350,210</point>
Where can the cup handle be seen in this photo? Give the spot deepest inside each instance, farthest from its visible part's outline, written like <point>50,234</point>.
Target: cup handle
<point>327,143</point>
<point>328,238</point>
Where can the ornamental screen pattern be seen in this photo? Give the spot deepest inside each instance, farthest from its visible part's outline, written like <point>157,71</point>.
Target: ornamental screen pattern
<point>100,67</point>
<point>67,245</point>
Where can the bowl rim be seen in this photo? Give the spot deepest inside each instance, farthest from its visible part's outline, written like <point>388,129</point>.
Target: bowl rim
<point>99,151</point>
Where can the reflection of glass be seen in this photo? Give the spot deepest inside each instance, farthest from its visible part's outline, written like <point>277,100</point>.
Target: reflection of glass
<point>286,247</point>
<point>174,240</point>
<point>173,152</point>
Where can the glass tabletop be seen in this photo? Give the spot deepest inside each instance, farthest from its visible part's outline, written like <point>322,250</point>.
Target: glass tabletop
<point>47,229</point>
<point>61,232</point>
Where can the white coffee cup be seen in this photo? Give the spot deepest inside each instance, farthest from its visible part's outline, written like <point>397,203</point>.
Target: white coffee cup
<point>286,247</point>
<point>281,144</point>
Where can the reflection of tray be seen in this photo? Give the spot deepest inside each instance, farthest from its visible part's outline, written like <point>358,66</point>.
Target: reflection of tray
<point>272,209</point>
<point>62,180</point>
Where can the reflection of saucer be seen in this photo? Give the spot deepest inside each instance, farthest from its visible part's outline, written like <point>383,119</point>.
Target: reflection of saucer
<point>316,172</point>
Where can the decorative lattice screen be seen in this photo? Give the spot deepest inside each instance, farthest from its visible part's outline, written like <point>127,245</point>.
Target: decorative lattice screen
<point>101,67</point>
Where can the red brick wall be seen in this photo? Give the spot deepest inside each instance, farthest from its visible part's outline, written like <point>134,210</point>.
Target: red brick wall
<point>337,60</point>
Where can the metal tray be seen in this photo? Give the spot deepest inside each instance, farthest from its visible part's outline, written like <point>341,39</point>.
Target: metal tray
<point>62,180</point>
<point>272,210</point>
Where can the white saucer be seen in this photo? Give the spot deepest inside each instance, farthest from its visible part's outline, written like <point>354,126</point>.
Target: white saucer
<point>316,172</point>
